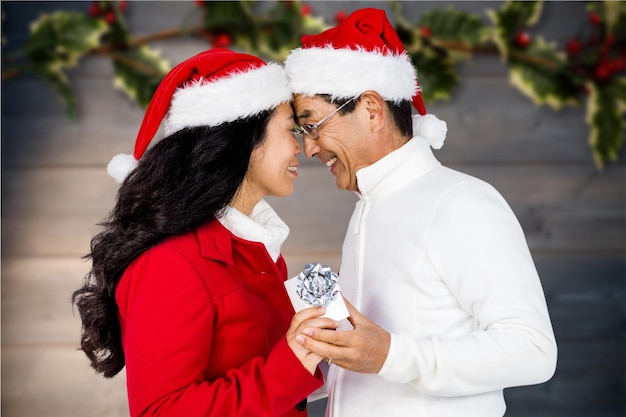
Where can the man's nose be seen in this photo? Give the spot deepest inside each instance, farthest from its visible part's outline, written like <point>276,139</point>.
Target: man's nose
<point>311,148</point>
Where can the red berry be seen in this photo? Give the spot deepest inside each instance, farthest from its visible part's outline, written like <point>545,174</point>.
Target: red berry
<point>94,10</point>
<point>340,16</point>
<point>602,72</point>
<point>617,65</point>
<point>305,10</point>
<point>522,39</point>
<point>221,41</point>
<point>573,47</point>
<point>199,3</point>
<point>123,5</point>
<point>425,32</point>
<point>110,17</point>
<point>594,19</point>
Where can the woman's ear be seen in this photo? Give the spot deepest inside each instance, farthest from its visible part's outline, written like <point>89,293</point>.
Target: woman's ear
<point>374,104</point>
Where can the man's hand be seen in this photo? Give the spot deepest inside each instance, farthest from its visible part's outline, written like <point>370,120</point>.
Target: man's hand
<point>363,349</point>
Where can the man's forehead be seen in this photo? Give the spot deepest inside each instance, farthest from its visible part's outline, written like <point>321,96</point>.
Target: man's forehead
<point>308,100</point>
<point>307,106</point>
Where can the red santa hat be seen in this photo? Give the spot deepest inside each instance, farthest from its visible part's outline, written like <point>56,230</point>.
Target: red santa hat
<point>362,53</point>
<point>214,87</point>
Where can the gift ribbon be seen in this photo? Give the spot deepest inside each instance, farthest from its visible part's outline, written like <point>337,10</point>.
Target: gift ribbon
<point>317,284</point>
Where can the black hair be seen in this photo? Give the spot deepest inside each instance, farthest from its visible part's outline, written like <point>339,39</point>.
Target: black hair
<point>180,183</point>
<point>401,112</point>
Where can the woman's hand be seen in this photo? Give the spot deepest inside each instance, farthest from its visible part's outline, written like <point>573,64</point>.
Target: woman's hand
<point>308,318</point>
<point>363,349</point>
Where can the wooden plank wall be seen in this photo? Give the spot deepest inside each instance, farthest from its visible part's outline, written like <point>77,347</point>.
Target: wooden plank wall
<point>55,190</point>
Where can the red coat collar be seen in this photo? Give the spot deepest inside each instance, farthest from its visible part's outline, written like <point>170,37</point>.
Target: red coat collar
<point>216,242</point>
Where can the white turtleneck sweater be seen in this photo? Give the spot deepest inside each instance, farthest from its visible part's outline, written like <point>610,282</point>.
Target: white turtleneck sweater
<point>439,260</point>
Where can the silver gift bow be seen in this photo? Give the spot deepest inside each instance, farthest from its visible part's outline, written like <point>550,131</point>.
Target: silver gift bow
<point>317,284</point>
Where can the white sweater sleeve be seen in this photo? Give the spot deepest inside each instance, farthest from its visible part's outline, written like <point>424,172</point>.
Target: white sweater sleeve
<point>478,248</point>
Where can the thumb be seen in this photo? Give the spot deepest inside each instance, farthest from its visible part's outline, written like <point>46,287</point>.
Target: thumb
<point>355,315</point>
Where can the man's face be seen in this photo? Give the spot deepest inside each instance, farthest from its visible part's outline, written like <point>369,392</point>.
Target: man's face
<point>342,142</point>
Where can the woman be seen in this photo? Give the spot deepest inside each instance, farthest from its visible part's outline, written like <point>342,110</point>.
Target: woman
<point>186,288</point>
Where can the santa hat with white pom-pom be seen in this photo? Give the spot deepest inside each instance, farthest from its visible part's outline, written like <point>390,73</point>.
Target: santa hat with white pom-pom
<point>213,87</point>
<point>362,53</point>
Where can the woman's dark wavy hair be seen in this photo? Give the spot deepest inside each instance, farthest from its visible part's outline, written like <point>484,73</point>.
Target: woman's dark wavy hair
<point>183,181</point>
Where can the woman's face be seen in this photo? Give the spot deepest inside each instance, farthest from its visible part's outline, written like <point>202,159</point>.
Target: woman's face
<point>274,163</point>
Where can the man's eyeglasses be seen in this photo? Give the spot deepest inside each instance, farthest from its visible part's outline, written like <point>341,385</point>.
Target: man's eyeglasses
<point>311,130</point>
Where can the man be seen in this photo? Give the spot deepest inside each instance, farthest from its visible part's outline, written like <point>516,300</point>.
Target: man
<point>448,307</point>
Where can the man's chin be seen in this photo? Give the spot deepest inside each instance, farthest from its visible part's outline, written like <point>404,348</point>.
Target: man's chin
<point>341,185</point>
<point>338,183</point>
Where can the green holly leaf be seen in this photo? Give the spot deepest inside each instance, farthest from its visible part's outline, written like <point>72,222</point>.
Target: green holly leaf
<point>59,83</point>
<point>282,30</point>
<point>312,25</point>
<point>62,38</point>
<point>453,25</point>
<point>615,16</point>
<point>138,72</point>
<point>233,18</point>
<point>436,73</point>
<point>541,74</point>
<point>56,43</point>
<point>117,33</point>
<point>606,108</point>
<point>511,18</point>
<point>231,12</point>
<point>277,32</point>
<point>428,42</point>
<point>271,34</point>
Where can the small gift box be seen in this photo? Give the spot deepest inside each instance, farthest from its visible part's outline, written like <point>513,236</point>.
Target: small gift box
<point>316,286</point>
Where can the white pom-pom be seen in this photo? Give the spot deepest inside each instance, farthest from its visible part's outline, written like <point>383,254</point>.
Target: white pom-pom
<point>430,128</point>
<point>120,166</point>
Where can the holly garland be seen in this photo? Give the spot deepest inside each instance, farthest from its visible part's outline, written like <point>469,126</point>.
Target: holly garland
<point>589,71</point>
<point>57,41</point>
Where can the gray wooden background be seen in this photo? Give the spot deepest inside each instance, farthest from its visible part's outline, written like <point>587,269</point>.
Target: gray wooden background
<point>55,189</point>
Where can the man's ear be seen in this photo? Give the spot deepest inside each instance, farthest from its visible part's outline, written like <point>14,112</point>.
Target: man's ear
<point>374,104</point>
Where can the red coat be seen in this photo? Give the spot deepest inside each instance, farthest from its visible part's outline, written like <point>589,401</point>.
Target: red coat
<point>203,318</point>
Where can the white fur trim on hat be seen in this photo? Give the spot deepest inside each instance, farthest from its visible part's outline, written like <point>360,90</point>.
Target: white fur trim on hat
<point>430,128</point>
<point>347,73</point>
<point>120,166</point>
<point>233,97</point>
